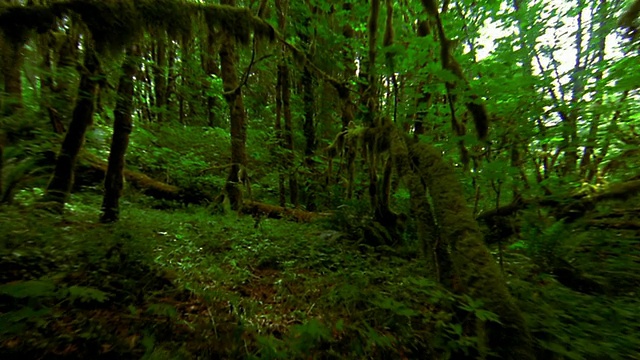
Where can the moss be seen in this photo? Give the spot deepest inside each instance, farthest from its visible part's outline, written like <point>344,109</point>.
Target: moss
<point>16,22</point>
<point>239,22</point>
<point>174,16</point>
<point>116,23</point>
<point>474,267</point>
<point>112,23</point>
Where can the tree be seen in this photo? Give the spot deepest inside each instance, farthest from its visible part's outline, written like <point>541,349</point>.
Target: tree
<point>61,181</point>
<point>238,117</point>
<point>122,126</point>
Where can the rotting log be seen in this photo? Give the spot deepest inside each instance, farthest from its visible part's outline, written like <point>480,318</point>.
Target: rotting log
<point>163,191</point>
<point>259,210</point>
<point>142,182</point>
<point>570,208</point>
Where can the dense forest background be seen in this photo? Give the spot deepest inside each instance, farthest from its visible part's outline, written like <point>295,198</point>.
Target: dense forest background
<point>319,179</point>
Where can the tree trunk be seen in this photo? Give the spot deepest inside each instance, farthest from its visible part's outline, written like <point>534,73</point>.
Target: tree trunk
<point>282,191</point>
<point>58,78</point>
<point>473,266</point>
<point>238,117</point>
<point>570,124</point>
<point>596,35</point>
<point>210,67</point>
<point>60,185</point>
<point>2,143</point>
<point>288,134</point>
<point>284,88</point>
<point>122,126</point>
<point>369,105</point>
<point>12,71</point>
<point>309,131</point>
<point>160,77</point>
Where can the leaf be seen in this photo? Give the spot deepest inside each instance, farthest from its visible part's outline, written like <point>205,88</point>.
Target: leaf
<point>87,294</point>
<point>455,329</point>
<point>162,309</point>
<point>487,315</point>
<point>378,339</point>
<point>14,322</point>
<point>394,306</point>
<point>313,329</point>
<point>25,289</point>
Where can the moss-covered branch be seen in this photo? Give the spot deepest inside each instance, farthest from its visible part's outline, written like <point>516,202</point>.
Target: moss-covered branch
<point>116,23</point>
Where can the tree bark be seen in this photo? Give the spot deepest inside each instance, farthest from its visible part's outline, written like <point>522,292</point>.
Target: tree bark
<point>473,266</point>
<point>2,143</point>
<point>12,71</point>
<point>288,133</point>
<point>57,79</point>
<point>122,126</point>
<point>160,77</point>
<point>210,67</point>
<point>60,184</point>
<point>238,117</point>
<point>282,190</point>
<point>309,131</point>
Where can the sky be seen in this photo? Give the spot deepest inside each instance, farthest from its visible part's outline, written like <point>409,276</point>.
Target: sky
<point>563,37</point>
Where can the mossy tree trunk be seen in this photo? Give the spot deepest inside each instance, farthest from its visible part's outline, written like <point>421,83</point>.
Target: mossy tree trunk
<point>122,127</point>
<point>473,267</point>
<point>309,130</point>
<point>12,72</point>
<point>60,184</point>
<point>369,106</point>
<point>424,97</point>
<point>288,133</point>
<point>210,67</point>
<point>282,190</point>
<point>2,143</point>
<point>59,57</point>
<point>307,81</point>
<point>160,76</point>
<point>238,117</point>
<point>282,7</point>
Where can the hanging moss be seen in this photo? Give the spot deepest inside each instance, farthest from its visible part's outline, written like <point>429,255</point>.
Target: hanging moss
<point>114,24</point>
<point>239,22</point>
<point>174,16</point>
<point>16,22</point>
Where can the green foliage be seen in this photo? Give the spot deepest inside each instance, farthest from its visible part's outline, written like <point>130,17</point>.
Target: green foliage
<point>541,242</point>
<point>577,326</point>
<point>172,156</point>
<point>187,283</point>
<point>85,294</point>
<point>27,289</point>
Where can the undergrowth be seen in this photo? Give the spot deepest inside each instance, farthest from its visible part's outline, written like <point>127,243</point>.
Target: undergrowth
<point>186,283</point>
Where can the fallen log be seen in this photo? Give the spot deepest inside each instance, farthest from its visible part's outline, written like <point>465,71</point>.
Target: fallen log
<point>96,169</point>
<point>261,210</point>
<point>574,207</point>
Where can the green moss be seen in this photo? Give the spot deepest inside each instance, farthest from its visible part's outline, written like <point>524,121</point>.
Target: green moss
<point>16,22</point>
<point>239,22</point>
<point>173,16</point>
<point>472,264</point>
<point>115,23</point>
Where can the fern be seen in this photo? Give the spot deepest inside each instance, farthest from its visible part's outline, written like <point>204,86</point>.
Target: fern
<point>27,289</point>
<point>86,294</point>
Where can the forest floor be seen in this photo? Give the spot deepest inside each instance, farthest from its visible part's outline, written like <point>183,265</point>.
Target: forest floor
<point>183,283</point>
